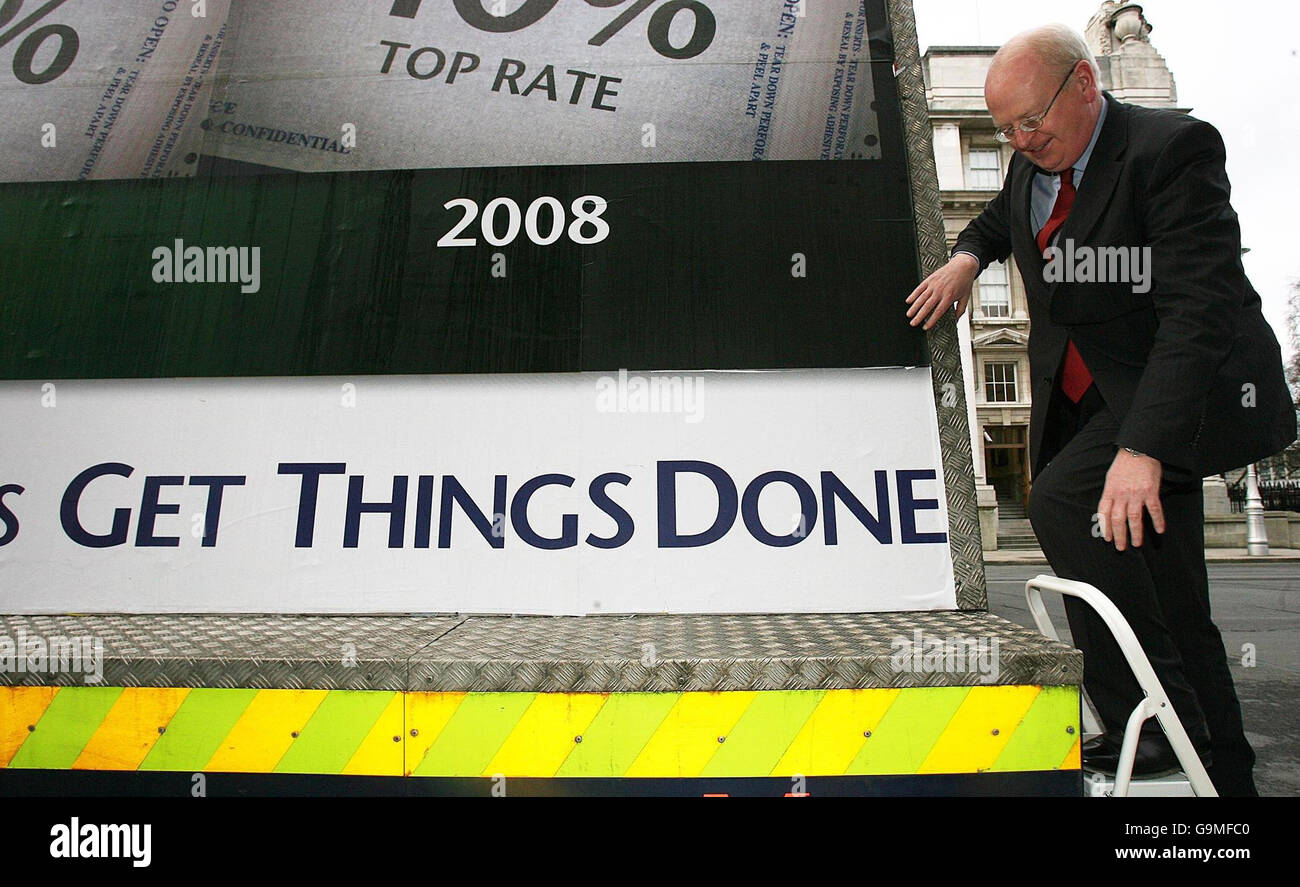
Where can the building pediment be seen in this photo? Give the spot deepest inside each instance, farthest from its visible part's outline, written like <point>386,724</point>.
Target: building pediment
<point>1001,337</point>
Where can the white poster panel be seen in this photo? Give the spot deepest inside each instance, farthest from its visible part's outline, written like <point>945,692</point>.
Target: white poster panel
<point>706,492</point>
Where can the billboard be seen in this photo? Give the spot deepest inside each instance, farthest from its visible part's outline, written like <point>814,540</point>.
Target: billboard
<point>427,245</point>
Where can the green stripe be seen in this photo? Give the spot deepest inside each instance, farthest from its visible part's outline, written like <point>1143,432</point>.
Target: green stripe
<point>617,734</point>
<point>908,730</point>
<point>763,734</point>
<point>471,738</point>
<point>72,718</point>
<point>195,732</point>
<point>335,732</point>
<point>1041,741</point>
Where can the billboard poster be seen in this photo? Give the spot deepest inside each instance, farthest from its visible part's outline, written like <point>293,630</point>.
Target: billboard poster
<point>571,494</point>
<point>418,239</point>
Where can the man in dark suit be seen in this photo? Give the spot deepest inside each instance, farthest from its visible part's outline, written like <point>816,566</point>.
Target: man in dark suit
<point>1150,369</point>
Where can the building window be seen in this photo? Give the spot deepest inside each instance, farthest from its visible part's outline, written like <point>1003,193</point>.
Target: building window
<point>985,170</point>
<point>1000,383</point>
<point>995,291</point>
<point>1005,435</point>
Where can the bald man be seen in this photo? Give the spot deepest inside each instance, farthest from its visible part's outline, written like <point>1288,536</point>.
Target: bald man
<point>1150,369</point>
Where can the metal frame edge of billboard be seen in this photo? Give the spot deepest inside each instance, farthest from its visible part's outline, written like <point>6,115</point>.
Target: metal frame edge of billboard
<point>964,540</point>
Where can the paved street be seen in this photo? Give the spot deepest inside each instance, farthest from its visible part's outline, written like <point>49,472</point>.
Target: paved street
<point>1255,604</point>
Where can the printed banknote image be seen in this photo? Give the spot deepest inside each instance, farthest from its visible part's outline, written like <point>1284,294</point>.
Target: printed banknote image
<point>149,88</point>
<point>96,90</point>
<point>335,85</point>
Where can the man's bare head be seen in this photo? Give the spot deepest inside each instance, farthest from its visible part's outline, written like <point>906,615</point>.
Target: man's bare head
<point>1023,81</point>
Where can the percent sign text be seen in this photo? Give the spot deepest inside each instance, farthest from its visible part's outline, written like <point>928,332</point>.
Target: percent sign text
<point>25,56</point>
<point>661,21</point>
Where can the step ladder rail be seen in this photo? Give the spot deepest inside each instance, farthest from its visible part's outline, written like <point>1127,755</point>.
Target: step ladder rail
<point>1156,702</point>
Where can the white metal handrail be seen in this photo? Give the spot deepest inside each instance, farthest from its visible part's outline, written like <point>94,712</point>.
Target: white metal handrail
<point>1155,702</point>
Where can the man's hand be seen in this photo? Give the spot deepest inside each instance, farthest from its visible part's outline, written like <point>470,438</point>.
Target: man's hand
<point>948,286</point>
<point>1132,483</point>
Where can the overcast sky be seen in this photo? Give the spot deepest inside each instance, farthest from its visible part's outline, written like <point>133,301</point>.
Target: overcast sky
<point>1236,65</point>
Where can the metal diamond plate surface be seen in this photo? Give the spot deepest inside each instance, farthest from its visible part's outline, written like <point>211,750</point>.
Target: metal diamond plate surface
<point>292,652</point>
<point>545,654</point>
<point>714,653</point>
<point>964,538</point>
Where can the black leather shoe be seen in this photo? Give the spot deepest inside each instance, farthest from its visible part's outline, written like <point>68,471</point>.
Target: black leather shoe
<point>1155,757</point>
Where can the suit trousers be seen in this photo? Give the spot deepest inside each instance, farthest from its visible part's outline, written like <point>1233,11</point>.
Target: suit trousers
<point>1161,588</point>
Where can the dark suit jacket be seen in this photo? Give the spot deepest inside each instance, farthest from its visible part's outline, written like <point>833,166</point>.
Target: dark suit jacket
<point>1191,369</point>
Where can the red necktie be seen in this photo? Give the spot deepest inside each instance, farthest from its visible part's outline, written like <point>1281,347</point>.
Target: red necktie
<point>1075,378</point>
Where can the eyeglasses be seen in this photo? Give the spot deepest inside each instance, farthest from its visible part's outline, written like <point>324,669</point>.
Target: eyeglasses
<point>1031,124</point>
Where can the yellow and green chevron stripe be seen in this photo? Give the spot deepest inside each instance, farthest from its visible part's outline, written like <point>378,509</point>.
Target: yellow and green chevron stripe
<point>661,735</point>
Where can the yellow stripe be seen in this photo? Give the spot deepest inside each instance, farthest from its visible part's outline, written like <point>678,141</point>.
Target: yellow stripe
<point>20,708</point>
<point>130,729</point>
<point>1073,760</point>
<point>834,733</point>
<point>979,730</point>
<point>426,714</point>
<point>541,737</point>
<point>380,753</point>
<point>688,737</point>
<point>265,730</point>
<point>546,734</point>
